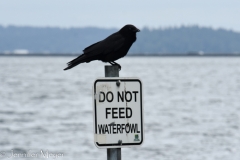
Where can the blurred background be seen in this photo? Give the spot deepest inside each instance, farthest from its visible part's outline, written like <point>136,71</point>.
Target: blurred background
<point>187,55</point>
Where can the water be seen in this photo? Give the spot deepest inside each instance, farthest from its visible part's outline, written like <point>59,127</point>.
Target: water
<point>192,108</point>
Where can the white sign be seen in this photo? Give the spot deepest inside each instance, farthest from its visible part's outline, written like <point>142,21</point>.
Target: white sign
<point>118,112</point>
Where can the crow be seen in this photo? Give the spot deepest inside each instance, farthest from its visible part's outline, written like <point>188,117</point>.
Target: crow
<point>110,49</point>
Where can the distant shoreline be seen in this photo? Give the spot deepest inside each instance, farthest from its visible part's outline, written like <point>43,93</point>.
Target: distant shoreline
<point>129,55</point>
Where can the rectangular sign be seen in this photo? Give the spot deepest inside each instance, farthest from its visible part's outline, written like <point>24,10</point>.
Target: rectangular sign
<point>118,112</point>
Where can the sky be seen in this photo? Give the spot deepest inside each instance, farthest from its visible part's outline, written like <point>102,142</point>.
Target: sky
<point>116,13</point>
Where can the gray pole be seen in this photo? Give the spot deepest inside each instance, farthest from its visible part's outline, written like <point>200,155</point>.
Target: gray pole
<point>113,153</point>
<point>111,71</point>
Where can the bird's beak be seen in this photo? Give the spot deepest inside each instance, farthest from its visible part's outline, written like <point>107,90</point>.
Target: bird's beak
<point>137,30</point>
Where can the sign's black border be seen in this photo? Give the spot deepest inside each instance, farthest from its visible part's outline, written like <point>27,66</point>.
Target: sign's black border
<point>122,80</point>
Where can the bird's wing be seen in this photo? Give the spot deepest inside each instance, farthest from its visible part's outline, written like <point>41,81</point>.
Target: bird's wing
<point>91,47</point>
<point>98,50</point>
<point>111,44</point>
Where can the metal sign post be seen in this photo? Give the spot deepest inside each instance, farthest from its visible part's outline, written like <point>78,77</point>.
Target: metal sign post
<point>113,153</point>
<point>117,112</point>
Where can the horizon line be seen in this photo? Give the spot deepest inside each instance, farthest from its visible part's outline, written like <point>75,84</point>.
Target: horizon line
<point>102,27</point>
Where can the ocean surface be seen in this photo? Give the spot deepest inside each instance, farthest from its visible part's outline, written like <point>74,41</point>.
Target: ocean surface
<point>191,108</point>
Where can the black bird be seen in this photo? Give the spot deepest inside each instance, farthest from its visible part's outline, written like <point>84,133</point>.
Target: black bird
<point>110,49</point>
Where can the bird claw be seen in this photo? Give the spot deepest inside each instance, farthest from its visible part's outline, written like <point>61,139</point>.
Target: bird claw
<point>119,67</point>
<point>114,63</point>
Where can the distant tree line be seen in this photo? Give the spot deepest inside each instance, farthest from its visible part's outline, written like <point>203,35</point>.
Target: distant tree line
<point>191,39</point>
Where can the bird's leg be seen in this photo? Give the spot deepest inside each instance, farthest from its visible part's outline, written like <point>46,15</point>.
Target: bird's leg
<point>119,67</point>
<point>114,63</point>
<point>111,63</point>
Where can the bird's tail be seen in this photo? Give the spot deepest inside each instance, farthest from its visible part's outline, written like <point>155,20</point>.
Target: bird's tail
<point>76,61</point>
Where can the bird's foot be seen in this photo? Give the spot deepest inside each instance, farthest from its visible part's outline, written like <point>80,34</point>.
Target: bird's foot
<point>119,67</point>
<point>114,63</point>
